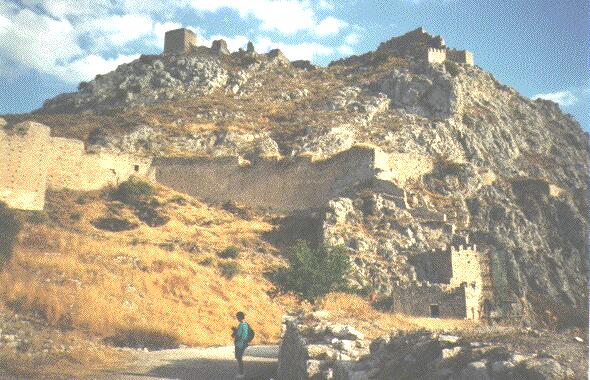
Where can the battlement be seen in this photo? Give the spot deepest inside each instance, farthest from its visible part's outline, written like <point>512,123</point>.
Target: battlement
<point>420,44</point>
<point>179,41</point>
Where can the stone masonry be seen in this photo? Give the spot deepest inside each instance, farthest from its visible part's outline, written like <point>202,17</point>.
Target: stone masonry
<point>179,41</point>
<point>33,161</point>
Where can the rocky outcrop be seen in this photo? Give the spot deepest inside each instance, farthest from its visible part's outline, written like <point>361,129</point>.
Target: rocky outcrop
<point>425,355</point>
<point>312,347</point>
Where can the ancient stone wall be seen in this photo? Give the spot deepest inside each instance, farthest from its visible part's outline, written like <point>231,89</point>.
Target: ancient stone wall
<point>466,265</point>
<point>32,161</point>
<point>288,184</point>
<point>429,300</point>
<point>24,167</point>
<point>460,56</point>
<point>179,41</point>
<point>66,157</point>
<point>436,55</point>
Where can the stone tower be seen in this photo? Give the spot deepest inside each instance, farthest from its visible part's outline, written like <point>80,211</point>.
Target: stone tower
<point>179,41</point>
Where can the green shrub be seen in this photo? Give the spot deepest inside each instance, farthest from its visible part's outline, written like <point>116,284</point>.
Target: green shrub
<point>207,262</point>
<point>452,68</point>
<point>9,228</point>
<point>132,190</point>
<point>229,253</point>
<point>229,269</point>
<point>313,273</point>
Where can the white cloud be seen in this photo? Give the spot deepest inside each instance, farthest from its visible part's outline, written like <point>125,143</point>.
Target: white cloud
<point>352,39</point>
<point>285,16</point>
<point>330,25</point>
<point>118,30</point>
<point>305,50</point>
<point>77,40</point>
<point>36,41</point>
<point>563,98</point>
<point>325,4</point>
<point>345,50</point>
<point>88,67</point>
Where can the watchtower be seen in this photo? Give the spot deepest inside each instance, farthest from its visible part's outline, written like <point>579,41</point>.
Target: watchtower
<point>179,41</point>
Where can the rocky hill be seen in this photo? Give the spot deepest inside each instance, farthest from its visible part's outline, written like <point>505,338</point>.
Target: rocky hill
<point>506,173</point>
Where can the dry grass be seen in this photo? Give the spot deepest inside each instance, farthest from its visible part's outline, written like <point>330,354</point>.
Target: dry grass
<point>374,323</point>
<point>124,286</point>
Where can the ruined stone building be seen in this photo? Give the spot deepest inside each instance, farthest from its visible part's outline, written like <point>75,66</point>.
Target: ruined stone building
<point>450,283</point>
<point>179,41</point>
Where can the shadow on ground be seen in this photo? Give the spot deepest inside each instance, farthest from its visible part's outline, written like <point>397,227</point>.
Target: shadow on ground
<point>193,369</point>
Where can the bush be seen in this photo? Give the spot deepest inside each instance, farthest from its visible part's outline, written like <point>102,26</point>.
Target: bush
<point>229,253</point>
<point>452,68</point>
<point>207,262</point>
<point>132,190</point>
<point>313,273</point>
<point>230,269</point>
<point>9,229</point>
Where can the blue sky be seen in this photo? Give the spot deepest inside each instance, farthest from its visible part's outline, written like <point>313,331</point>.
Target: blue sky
<point>541,47</point>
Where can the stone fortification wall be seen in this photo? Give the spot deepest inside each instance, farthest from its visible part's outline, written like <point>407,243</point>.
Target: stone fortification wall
<point>96,171</point>
<point>32,161</point>
<point>23,169</point>
<point>426,299</point>
<point>436,55</point>
<point>179,41</point>
<point>466,265</point>
<point>460,56</point>
<point>289,184</point>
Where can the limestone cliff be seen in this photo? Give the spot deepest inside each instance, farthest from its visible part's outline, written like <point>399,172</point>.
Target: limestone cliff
<point>477,160</point>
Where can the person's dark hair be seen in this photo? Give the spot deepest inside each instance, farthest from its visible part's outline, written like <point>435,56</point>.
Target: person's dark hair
<point>240,315</point>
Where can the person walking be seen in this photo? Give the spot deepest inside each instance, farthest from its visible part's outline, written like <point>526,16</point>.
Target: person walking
<point>242,336</point>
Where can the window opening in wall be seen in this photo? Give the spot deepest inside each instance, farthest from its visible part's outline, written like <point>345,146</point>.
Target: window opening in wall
<point>434,310</point>
<point>136,168</point>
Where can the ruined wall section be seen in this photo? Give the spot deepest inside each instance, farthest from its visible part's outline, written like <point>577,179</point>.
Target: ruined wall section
<point>289,184</point>
<point>66,157</point>
<point>460,56</point>
<point>32,161</point>
<point>24,167</point>
<point>419,298</point>
<point>436,55</point>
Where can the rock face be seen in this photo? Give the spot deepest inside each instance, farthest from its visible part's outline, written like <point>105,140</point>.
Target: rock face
<point>475,159</point>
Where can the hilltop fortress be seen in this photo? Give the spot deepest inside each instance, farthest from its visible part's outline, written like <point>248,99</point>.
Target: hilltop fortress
<point>417,44</point>
<point>449,283</point>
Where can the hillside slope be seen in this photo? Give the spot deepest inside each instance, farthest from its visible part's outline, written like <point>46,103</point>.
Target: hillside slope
<point>513,172</point>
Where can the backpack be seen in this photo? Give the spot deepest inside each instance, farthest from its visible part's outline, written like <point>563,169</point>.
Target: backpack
<point>250,334</point>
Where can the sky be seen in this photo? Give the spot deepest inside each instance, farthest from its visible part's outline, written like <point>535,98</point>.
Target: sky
<point>541,47</point>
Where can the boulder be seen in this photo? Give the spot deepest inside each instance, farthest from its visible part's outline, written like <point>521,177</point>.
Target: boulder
<point>543,368</point>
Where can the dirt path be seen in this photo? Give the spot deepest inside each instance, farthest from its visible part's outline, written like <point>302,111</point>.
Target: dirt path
<point>216,363</point>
